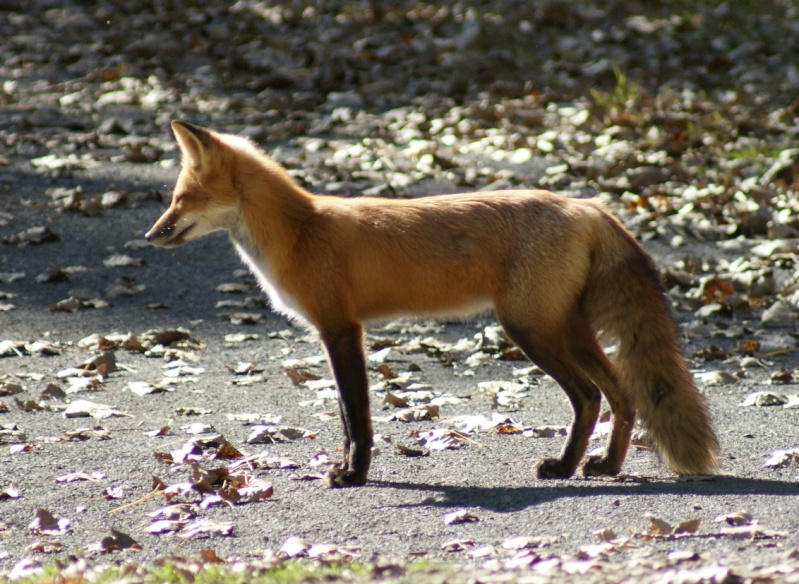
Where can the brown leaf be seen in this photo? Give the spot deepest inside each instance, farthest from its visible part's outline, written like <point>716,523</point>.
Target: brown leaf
<point>605,535</point>
<point>75,435</point>
<point>208,478</point>
<point>689,526</point>
<point>52,391</point>
<point>166,337</point>
<point>782,458</point>
<point>386,371</point>
<point>457,545</point>
<point>293,547</point>
<point>10,492</point>
<point>460,516</point>
<point>19,448</point>
<point>192,411</point>
<point>442,439</point>
<point>297,376</point>
<point>406,451</point>
<point>269,434</point>
<point>549,431</point>
<point>737,518</point>
<point>72,477</point>
<point>162,431</point>
<point>112,493</point>
<point>658,526</point>
<point>165,457</point>
<point>208,556</point>
<point>28,405</point>
<point>228,452</point>
<point>205,527</point>
<point>227,497</point>
<point>46,547</point>
<point>751,532</point>
<point>255,490</point>
<point>393,400</point>
<point>508,429</point>
<point>166,526</point>
<point>45,523</point>
<point>175,512</point>
<point>716,290</point>
<point>528,542</point>
<point>10,389</point>
<point>417,413</point>
<point>115,542</point>
<point>104,363</point>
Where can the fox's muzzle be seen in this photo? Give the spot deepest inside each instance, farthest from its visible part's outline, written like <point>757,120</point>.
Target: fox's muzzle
<point>165,232</point>
<point>156,233</point>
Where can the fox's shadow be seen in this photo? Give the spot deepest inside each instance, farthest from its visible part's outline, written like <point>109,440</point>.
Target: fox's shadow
<point>506,500</point>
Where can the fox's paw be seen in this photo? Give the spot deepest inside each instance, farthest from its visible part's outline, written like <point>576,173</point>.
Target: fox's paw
<point>597,466</point>
<point>337,477</point>
<point>552,468</point>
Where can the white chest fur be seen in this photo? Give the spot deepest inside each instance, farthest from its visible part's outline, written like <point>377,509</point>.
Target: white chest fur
<point>281,301</point>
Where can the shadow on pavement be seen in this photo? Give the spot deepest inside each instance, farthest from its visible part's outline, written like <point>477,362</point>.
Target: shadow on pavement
<point>505,500</point>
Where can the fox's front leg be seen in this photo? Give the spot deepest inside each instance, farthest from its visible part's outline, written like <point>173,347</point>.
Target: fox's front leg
<point>345,353</point>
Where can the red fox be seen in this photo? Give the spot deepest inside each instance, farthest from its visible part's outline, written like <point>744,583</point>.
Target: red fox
<point>555,271</point>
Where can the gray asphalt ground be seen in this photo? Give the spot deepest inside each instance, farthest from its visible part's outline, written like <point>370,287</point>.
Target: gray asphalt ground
<point>400,513</point>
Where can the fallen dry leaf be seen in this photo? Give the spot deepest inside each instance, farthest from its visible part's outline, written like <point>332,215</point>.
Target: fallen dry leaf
<point>412,452</point>
<point>82,408</point>
<point>658,526</point>
<point>255,490</point>
<point>10,492</point>
<point>457,545</point>
<point>122,261</point>
<point>442,439</point>
<point>417,413</point>
<point>205,528</point>
<point>72,477</point>
<point>460,516</point>
<point>31,236</point>
<point>293,547</point>
<point>764,399</point>
<point>45,523</point>
<point>115,542</point>
<point>782,458</point>
<point>737,518</point>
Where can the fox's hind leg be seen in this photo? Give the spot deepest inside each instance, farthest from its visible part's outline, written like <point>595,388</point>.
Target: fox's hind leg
<point>546,345</point>
<point>589,355</point>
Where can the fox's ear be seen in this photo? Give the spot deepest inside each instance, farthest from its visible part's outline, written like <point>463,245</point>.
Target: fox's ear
<point>194,141</point>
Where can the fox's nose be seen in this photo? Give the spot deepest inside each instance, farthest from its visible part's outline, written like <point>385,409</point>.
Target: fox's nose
<point>158,231</point>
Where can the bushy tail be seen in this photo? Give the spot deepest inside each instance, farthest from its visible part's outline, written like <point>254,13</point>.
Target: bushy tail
<point>626,300</point>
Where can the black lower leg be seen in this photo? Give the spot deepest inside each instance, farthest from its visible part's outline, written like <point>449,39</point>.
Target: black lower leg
<point>345,352</point>
<point>550,352</point>
<point>585,401</point>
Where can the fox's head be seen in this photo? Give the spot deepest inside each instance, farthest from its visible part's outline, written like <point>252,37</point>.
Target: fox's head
<point>204,199</point>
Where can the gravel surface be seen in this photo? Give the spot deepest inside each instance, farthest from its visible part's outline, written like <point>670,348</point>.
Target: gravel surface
<point>100,204</point>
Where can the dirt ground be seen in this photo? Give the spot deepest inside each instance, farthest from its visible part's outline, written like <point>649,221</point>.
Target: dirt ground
<point>681,118</point>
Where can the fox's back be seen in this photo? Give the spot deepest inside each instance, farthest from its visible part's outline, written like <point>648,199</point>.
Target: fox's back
<point>453,254</point>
